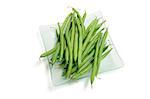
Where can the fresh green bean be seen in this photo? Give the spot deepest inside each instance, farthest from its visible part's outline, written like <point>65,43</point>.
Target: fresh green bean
<point>105,48</point>
<point>50,52</point>
<point>80,19</point>
<point>84,71</point>
<point>99,25</point>
<point>88,50</point>
<point>76,45</point>
<point>74,68</point>
<point>87,39</point>
<point>105,54</point>
<point>94,67</point>
<point>57,35</point>
<point>85,59</point>
<point>65,21</point>
<point>62,32</point>
<point>70,51</point>
<point>54,58</point>
<point>66,55</point>
<point>70,64</point>
<point>88,28</point>
<point>97,30</point>
<point>84,16</point>
<point>64,42</point>
<point>88,62</point>
<point>61,42</point>
<point>91,44</point>
<point>101,49</point>
<point>73,30</point>
<point>80,41</point>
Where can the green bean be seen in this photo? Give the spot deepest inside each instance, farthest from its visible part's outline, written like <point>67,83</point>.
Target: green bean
<point>88,50</point>
<point>73,31</point>
<point>88,28</point>
<point>70,64</point>
<point>105,54</point>
<point>84,16</point>
<point>101,49</point>
<point>88,36</point>
<point>70,51</point>
<point>62,32</point>
<point>65,21</point>
<point>90,46</point>
<point>84,71</point>
<point>96,30</point>
<point>64,42</point>
<point>72,70</point>
<point>80,19</point>
<point>56,54</point>
<point>66,55</point>
<point>80,41</point>
<point>50,52</point>
<point>57,34</point>
<point>99,25</point>
<point>85,59</point>
<point>94,68</point>
<point>105,48</point>
<point>61,42</point>
<point>88,62</point>
<point>76,45</point>
<point>96,35</point>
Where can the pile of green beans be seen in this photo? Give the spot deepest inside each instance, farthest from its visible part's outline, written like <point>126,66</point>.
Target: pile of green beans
<point>79,49</point>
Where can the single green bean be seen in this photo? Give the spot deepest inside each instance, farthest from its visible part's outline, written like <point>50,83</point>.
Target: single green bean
<point>80,41</point>
<point>50,52</point>
<point>66,55</point>
<point>70,64</point>
<point>73,31</point>
<point>105,54</point>
<point>54,58</point>
<point>70,51</point>
<point>61,42</point>
<point>84,16</point>
<point>105,48</point>
<point>76,45</point>
<point>94,68</point>
<point>57,35</point>
<point>101,49</point>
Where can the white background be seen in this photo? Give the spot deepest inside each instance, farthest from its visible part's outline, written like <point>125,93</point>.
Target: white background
<point>23,77</point>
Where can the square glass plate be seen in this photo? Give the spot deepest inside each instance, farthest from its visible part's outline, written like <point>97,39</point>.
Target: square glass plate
<point>111,62</point>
